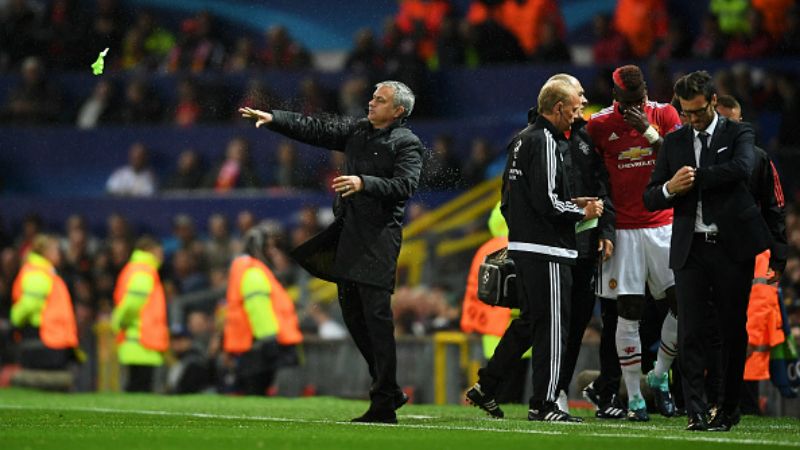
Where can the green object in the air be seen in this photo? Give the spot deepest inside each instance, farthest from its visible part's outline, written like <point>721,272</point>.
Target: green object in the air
<point>97,67</point>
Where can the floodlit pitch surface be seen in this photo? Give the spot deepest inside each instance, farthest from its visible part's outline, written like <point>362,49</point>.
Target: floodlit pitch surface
<point>38,420</point>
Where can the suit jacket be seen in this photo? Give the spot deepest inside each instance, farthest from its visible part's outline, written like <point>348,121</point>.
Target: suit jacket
<point>363,243</point>
<point>723,185</point>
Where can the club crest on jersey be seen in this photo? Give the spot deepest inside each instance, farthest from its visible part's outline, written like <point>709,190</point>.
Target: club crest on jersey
<point>613,136</point>
<point>612,283</point>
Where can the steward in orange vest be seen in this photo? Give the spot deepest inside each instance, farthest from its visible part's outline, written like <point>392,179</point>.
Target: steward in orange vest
<point>140,315</point>
<point>261,325</point>
<point>42,309</point>
<point>764,324</point>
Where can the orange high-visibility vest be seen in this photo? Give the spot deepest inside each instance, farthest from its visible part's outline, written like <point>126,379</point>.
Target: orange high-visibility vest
<point>58,328</point>
<point>154,333</point>
<point>238,334</point>
<point>477,316</point>
<point>763,322</point>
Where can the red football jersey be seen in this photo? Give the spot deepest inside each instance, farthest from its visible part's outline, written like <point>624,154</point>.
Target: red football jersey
<point>630,160</point>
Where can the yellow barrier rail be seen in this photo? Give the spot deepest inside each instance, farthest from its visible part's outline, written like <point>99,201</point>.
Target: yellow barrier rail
<point>440,342</point>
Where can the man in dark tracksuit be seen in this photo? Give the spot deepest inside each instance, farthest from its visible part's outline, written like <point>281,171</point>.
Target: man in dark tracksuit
<point>541,222</point>
<point>587,178</point>
<point>359,250</point>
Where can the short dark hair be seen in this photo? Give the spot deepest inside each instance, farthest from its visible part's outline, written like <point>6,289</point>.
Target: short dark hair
<point>629,78</point>
<point>693,84</point>
<point>728,101</point>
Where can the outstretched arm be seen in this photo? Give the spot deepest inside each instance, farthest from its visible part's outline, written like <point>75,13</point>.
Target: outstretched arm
<point>330,134</point>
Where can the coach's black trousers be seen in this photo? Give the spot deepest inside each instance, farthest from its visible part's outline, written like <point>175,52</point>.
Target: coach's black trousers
<point>367,313</point>
<point>543,289</point>
<point>582,300</point>
<point>710,284</point>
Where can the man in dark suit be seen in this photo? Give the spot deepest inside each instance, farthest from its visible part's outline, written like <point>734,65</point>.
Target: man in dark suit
<point>359,250</point>
<point>702,172</point>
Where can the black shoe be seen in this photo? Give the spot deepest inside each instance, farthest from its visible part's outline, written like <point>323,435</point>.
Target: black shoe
<point>549,412</point>
<point>611,410</point>
<point>400,399</point>
<point>697,422</point>
<point>722,422</point>
<point>486,402</point>
<point>592,396</point>
<point>661,394</point>
<point>376,416</point>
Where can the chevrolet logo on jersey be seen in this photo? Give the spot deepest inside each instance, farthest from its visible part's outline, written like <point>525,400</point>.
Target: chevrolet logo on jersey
<point>636,153</point>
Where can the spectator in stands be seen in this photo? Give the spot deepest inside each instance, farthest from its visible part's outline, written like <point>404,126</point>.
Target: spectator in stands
<point>188,110</point>
<point>328,329</point>
<point>32,225</point>
<point>184,236</point>
<point>135,179</point>
<point>288,172</point>
<point>523,18</point>
<point>79,250</point>
<point>480,158</point>
<point>676,44</point>
<point>141,104</point>
<point>198,48</point>
<point>235,171</point>
<point>188,173</point>
<point>365,57</point>
<point>352,95</point>
<point>18,29</point>
<point>99,108</point>
<point>775,14</point>
<point>442,169</point>
<point>751,44</point>
<point>731,15</point>
<point>314,97</point>
<point>43,313</point>
<point>550,48</point>
<point>106,28</point>
<point>307,225</point>
<point>710,44</point>
<point>450,45</point>
<point>186,274</point>
<point>191,372</point>
<point>117,227</point>
<point>243,56</point>
<point>66,34</point>
<point>282,52</point>
<point>35,101</point>
<point>790,42</point>
<point>421,20</point>
<point>146,44</point>
<point>257,95</point>
<point>609,46</point>
<point>332,170</point>
<point>140,313</point>
<point>643,23</point>
<point>219,246</point>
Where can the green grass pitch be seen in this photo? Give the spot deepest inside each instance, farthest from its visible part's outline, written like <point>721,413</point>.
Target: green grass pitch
<point>39,420</point>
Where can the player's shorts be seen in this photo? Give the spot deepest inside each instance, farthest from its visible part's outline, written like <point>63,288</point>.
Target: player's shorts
<point>641,257</point>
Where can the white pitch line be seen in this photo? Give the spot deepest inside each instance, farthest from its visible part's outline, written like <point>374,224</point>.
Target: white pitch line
<point>689,437</point>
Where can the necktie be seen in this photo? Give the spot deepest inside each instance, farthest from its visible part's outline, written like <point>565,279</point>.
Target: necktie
<point>705,160</point>
<point>705,154</point>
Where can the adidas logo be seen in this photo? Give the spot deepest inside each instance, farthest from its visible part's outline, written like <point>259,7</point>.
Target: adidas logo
<point>613,136</point>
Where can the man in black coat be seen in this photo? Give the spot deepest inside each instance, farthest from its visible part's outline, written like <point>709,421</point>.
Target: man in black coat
<point>702,172</point>
<point>359,250</point>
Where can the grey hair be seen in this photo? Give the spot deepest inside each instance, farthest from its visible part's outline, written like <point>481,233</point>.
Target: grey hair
<point>403,96</point>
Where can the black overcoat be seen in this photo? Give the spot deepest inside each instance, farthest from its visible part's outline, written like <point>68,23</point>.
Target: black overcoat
<point>363,243</point>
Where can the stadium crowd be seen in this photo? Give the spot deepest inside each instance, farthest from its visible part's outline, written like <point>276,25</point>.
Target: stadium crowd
<point>423,37</point>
